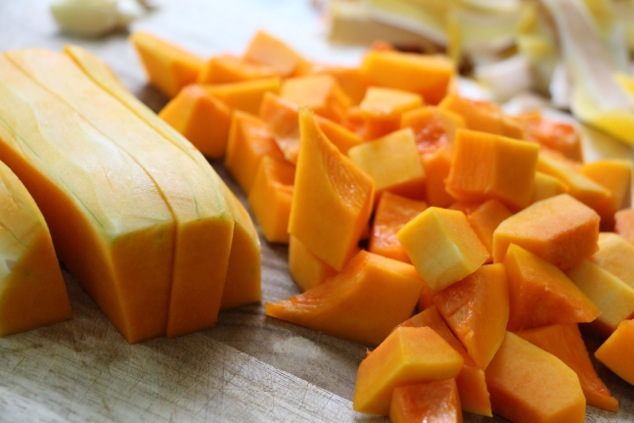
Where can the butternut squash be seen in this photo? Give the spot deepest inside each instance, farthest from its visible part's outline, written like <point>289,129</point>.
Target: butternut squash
<point>319,92</point>
<point>615,254</point>
<point>223,68</point>
<point>381,110</point>
<point>266,49</point>
<point>616,351</point>
<point>306,269</point>
<point>32,289</point>
<point>426,402</point>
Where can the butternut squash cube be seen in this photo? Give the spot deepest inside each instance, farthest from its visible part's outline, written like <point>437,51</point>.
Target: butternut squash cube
<point>408,355</point>
<point>616,176</point>
<point>434,128</point>
<point>615,255</point>
<point>267,49</point>
<point>381,110</point>
<point>225,68</point>
<point>270,198</point>
<point>245,96</point>
<point>546,186</point>
<point>616,352</point>
<point>425,402</point>
<point>32,289</point>
<point>560,230</point>
<point>393,163</point>
<point>362,303</point>
<point>486,218</point>
<point>427,75</point>
<point>332,198</point>
<point>489,166</point>
<point>319,92</point>
<point>306,269</point>
<point>529,384</point>
<point>437,167</point>
<point>442,246</point>
<point>168,67</point>
<point>202,118</point>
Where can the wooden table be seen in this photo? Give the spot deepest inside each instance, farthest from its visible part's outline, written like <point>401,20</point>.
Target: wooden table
<point>247,369</point>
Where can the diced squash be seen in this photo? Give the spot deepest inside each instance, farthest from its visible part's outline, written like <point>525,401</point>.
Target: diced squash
<point>474,394</point>
<point>477,311</point>
<point>615,255</point>
<point>332,198</point>
<point>489,166</point>
<point>616,176</point>
<point>393,163</point>
<point>362,303</point>
<point>225,68</point>
<point>426,402</point>
<point>243,280</point>
<point>434,128</point>
<point>624,223</point>
<point>381,110</point>
<point>565,342</point>
<point>482,115</point>
<point>437,167</point>
<point>392,213</point>
<point>267,49</point>
<point>486,218</point>
<point>351,79</point>
<point>427,75</point>
<point>442,246</point>
<point>32,289</point>
<point>306,269</point>
<point>616,352</point>
<point>245,96</point>
<point>408,355</point>
<point>319,92</point>
<point>528,384</point>
<point>559,136</point>
<point>202,118</point>
<point>609,293</point>
<point>541,294</point>
<point>249,141</point>
<point>546,186</point>
<point>270,198</point>
<point>168,67</point>
<point>560,229</point>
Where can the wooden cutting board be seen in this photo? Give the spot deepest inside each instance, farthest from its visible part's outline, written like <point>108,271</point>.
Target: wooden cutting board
<point>247,369</point>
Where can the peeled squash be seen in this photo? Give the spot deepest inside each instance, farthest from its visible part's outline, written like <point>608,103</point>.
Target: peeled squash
<point>136,213</point>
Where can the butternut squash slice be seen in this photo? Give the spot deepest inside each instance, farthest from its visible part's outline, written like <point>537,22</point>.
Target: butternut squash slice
<point>426,402</point>
<point>616,351</point>
<point>32,289</point>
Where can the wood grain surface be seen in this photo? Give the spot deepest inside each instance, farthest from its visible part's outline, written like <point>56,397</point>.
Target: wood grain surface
<point>249,368</point>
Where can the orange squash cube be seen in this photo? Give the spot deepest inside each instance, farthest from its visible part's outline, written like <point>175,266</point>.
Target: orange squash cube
<point>437,167</point>
<point>530,385</point>
<point>201,117</point>
<point>559,136</point>
<point>267,49</point>
<point>270,198</point>
<point>319,92</point>
<point>442,246</point>
<point>332,199</point>
<point>624,223</point>
<point>434,128</point>
<point>617,351</point>
<point>362,303</point>
<point>381,110</point>
<point>306,269</point>
<point>546,186</point>
<point>426,402</point>
<point>427,75</point>
<point>225,68</point>
<point>408,355</point>
<point>169,68</point>
<point>393,163</point>
<point>615,254</point>
<point>245,96</point>
<point>560,230</point>
<point>616,176</point>
<point>486,218</point>
<point>489,166</point>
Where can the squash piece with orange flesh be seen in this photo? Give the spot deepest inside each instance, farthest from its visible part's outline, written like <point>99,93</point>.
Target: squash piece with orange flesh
<point>616,176</point>
<point>474,394</point>
<point>426,402</point>
<point>541,294</point>
<point>615,255</point>
<point>32,289</point>
<point>332,198</point>
<point>427,75</point>
<point>617,351</point>
<point>351,79</point>
<point>546,186</point>
<point>169,68</point>
<point>434,128</point>
<point>624,223</point>
<point>483,116</point>
<point>608,292</point>
<point>530,385</point>
<point>381,110</point>
<point>393,163</point>
<point>442,246</point>
<point>245,96</point>
<point>225,68</point>
<point>362,303</point>
<point>306,269</point>
<point>243,278</point>
<point>249,141</point>
<point>560,230</point>
<point>486,218</point>
<point>489,166</point>
<point>319,92</point>
<point>437,167</point>
<point>477,310</point>
<point>565,342</point>
<point>408,355</point>
<point>270,198</point>
<point>202,118</point>
<point>559,136</point>
<point>266,49</point>
<point>392,213</point>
